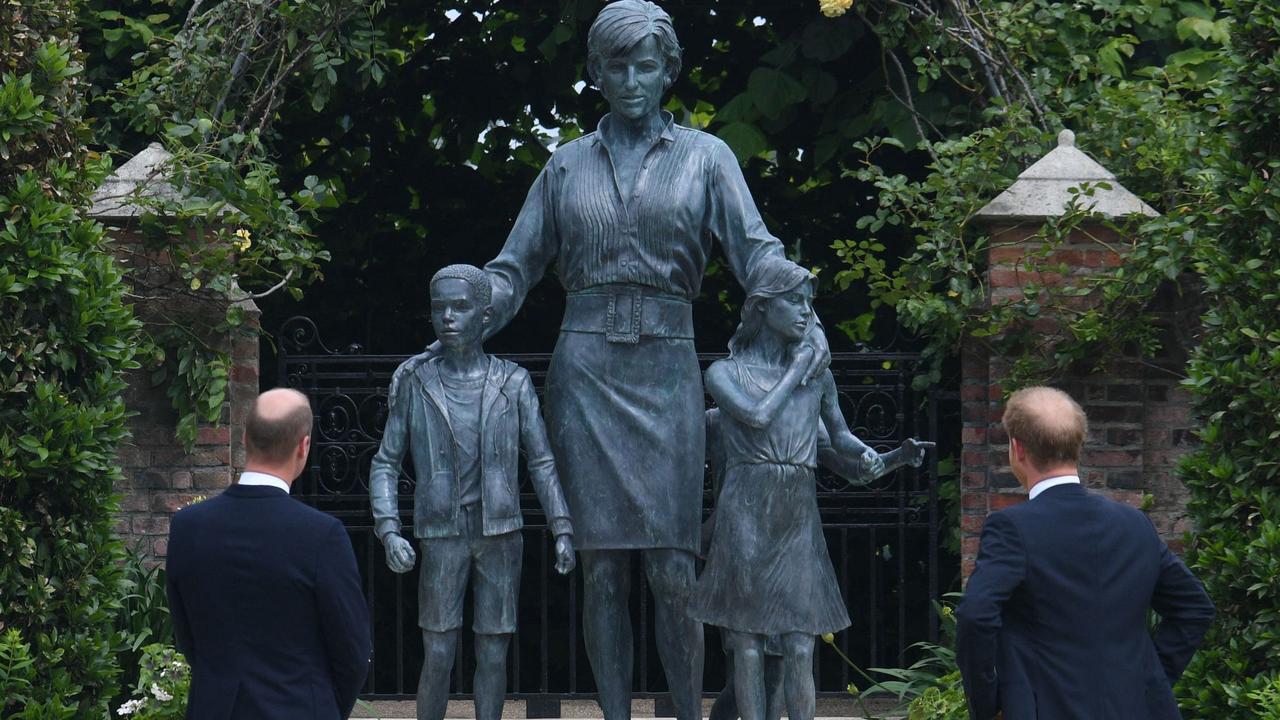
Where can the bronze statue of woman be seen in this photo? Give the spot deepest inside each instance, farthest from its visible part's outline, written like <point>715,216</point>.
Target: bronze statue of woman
<point>628,214</point>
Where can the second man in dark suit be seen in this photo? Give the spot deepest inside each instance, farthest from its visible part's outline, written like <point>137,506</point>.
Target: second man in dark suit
<point>1053,624</point>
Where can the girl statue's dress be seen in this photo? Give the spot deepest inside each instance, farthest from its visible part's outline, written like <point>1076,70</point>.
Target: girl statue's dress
<point>768,571</point>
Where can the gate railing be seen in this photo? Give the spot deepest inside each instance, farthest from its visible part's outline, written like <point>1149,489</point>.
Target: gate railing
<point>883,539</point>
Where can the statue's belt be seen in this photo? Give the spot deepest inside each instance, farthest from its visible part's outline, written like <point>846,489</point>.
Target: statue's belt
<point>625,313</point>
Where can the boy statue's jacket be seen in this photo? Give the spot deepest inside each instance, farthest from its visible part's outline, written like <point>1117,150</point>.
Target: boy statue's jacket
<point>418,421</point>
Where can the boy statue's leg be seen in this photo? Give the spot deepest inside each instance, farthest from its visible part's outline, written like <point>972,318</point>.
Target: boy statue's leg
<point>495,579</point>
<point>748,673</point>
<point>491,675</point>
<point>672,575</point>
<point>442,584</point>
<point>437,667</point>
<point>606,627</point>
<point>797,655</point>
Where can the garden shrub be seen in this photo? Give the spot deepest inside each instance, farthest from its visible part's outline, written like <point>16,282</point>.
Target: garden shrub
<point>1234,476</point>
<point>67,338</point>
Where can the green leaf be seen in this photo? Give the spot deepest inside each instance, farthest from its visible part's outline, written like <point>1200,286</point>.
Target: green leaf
<point>825,39</point>
<point>773,91</point>
<point>1189,26</point>
<point>744,139</point>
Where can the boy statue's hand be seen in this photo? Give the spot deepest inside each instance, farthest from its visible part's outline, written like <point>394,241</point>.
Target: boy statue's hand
<point>565,561</point>
<point>400,554</point>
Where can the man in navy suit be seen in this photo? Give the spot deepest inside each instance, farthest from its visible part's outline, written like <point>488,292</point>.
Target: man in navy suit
<point>264,591</point>
<point>1053,623</point>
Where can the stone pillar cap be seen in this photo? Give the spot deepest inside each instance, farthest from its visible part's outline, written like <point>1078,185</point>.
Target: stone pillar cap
<point>1044,189</point>
<point>144,176</point>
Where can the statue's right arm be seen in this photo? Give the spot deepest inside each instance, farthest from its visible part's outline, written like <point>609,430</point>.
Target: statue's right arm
<point>384,472</point>
<point>531,246</point>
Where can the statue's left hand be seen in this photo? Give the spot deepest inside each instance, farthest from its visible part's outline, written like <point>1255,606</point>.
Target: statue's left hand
<point>565,560</point>
<point>817,340</point>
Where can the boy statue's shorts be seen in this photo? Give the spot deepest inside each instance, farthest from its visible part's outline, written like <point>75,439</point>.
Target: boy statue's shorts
<point>493,563</point>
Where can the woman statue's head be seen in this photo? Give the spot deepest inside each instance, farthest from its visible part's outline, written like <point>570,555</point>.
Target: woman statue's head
<point>779,299</point>
<point>632,55</point>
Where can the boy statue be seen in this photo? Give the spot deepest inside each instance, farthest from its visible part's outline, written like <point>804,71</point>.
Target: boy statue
<point>465,416</point>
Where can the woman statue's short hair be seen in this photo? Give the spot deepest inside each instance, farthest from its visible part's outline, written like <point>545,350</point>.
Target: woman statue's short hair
<point>621,25</point>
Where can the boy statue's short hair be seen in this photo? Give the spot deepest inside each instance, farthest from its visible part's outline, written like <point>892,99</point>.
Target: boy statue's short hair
<point>471,275</point>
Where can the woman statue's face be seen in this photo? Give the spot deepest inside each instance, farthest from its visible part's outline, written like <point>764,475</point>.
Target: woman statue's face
<point>633,82</point>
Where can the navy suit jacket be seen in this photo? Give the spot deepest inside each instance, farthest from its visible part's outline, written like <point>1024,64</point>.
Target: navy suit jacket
<point>1053,623</point>
<point>267,608</point>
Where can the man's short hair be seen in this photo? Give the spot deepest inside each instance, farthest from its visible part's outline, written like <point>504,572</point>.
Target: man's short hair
<point>621,25</point>
<point>273,439</point>
<point>481,287</point>
<point>1048,423</point>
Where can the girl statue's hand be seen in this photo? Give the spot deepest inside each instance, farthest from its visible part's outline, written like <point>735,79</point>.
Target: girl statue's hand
<point>802,355</point>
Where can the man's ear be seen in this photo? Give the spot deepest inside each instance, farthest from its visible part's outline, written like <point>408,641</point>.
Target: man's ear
<point>486,317</point>
<point>304,446</point>
<point>1018,449</point>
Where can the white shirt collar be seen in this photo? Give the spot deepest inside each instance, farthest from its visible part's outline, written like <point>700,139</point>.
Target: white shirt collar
<point>1053,482</point>
<point>250,477</point>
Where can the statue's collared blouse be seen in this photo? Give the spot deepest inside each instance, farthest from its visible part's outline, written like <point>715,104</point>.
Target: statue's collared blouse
<point>688,190</point>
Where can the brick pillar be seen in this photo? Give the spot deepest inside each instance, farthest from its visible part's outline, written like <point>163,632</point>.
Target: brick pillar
<point>160,476</point>
<point>1139,416</point>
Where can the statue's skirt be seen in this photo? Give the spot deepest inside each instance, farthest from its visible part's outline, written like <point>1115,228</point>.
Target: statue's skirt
<point>768,571</point>
<point>626,424</point>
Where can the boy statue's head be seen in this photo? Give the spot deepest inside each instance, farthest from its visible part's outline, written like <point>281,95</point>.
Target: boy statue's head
<point>461,309</point>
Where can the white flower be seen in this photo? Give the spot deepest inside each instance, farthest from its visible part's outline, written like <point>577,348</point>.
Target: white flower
<point>160,693</point>
<point>131,706</point>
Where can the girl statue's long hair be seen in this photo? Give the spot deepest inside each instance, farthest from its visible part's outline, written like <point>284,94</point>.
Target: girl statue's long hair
<point>767,280</point>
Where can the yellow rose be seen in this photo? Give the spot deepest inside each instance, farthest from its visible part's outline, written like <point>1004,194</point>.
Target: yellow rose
<point>834,8</point>
<point>242,241</point>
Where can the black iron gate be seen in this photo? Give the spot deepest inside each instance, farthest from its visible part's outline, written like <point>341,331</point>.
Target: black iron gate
<point>883,539</point>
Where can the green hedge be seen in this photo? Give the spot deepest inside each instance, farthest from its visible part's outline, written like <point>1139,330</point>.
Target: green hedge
<point>1234,477</point>
<point>67,338</point>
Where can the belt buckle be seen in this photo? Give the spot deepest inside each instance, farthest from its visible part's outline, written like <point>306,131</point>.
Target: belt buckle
<point>622,324</point>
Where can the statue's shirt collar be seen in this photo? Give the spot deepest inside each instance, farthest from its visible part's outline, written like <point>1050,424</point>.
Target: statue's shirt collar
<point>603,133</point>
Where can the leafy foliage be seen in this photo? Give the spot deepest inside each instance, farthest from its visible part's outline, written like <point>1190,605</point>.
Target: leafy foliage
<point>68,337</point>
<point>164,680</point>
<point>209,82</point>
<point>143,619</point>
<point>1234,476</point>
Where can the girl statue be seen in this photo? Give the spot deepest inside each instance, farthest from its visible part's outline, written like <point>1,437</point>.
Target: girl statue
<point>768,577</point>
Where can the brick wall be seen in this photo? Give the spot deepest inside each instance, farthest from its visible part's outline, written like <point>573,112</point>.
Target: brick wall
<point>1139,416</point>
<point>160,476</point>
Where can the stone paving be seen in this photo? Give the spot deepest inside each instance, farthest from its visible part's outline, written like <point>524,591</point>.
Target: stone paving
<point>588,710</point>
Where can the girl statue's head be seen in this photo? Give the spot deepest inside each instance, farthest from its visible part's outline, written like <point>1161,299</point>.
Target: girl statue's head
<point>779,302</point>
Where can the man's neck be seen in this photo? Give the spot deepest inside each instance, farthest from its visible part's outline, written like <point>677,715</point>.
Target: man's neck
<point>274,470</point>
<point>1054,472</point>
